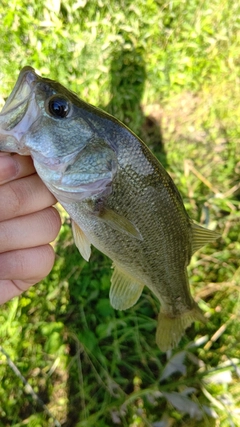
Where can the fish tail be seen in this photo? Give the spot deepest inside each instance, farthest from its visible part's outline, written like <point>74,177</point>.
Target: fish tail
<point>170,329</point>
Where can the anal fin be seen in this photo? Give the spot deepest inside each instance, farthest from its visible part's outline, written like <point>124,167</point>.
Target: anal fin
<point>124,291</point>
<point>81,241</point>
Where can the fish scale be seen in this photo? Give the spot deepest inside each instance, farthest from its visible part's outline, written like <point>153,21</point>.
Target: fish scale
<point>120,198</point>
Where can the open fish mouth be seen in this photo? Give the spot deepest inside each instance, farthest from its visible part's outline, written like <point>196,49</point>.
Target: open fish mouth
<point>18,113</point>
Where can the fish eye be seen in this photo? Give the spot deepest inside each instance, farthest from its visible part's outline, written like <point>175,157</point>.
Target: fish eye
<point>58,106</point>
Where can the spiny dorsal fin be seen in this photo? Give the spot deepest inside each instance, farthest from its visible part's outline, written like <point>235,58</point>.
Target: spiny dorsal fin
<point>124,291</point>
<point>202,236</point>
<point>120,223</point>
<point>81,241</point>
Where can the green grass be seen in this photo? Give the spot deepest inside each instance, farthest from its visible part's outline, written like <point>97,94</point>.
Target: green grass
<point>170,71</point>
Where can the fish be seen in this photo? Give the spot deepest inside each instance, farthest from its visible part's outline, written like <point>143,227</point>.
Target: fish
<point>118,195</point>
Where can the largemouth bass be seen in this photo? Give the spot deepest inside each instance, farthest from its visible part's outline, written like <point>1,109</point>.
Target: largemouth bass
<point>119,197</point>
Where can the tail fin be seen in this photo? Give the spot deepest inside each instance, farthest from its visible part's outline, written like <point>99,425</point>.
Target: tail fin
<point>171,329</point>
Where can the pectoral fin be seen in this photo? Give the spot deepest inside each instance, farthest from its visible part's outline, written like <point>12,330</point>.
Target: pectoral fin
<point>120,223</point>
<point>81,241</point>
<point>202,236</point>
<point>124,291</point>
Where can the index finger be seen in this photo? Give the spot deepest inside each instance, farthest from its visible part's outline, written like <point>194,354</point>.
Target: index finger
<point>14,166</point>
<point>24,196</point>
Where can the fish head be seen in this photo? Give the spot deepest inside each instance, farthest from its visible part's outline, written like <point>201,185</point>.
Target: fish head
<point>43,119</point>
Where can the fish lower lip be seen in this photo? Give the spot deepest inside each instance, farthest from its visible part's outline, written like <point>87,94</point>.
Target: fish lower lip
<point>8,143</point>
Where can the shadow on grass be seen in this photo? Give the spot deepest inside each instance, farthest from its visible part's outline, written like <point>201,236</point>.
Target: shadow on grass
<point>128,75</point>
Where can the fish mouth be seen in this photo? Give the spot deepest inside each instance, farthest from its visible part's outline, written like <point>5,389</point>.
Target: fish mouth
<point>18,113</point>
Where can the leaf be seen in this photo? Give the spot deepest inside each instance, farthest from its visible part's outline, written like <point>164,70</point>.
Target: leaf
<point>184,404</point>
<point>104,308</point>
<point>115,417</point>
<point>88,339</point>
<point>53,343</point>
<point>166,421</point>
<point>160,424</point>
<point>175,364</point>
<point>223,377</point>
<point>48,329</point>
<point>210,411</point>
<point>188,390</point>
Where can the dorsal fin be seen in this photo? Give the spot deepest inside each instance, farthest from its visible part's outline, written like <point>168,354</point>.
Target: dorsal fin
<point>81,241</point>
<point>202,236</point>
<point>124,291</point>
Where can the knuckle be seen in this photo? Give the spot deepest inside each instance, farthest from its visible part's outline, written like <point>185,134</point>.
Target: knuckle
<point>6,235</point>
<point>21,263</point>
<point>46,258</point>
<point>18,196</point>
<point>51,221</point>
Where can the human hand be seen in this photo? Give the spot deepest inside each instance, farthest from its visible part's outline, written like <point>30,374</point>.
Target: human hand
<point>28,223</point>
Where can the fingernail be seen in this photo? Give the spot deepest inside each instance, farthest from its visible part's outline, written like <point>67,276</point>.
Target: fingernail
<point>8,168</point>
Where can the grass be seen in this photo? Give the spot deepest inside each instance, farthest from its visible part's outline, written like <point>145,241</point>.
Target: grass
<point>170,71</point>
